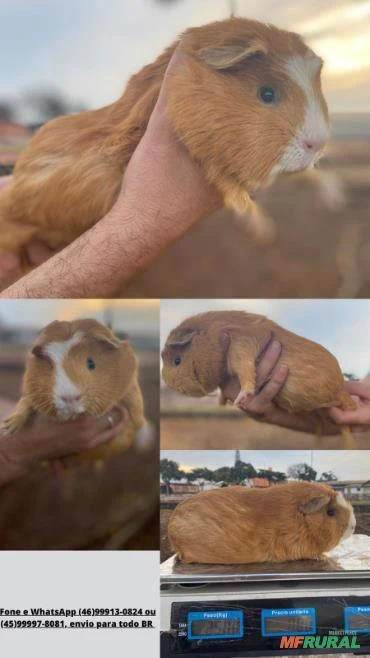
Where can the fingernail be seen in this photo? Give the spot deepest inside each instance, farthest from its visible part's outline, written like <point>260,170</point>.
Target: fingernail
<point>275,345</point>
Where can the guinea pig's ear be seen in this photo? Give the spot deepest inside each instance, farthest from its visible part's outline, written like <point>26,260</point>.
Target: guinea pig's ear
<point>182,339</point>
<point>314,504</point>
<point>107,343</point>
<point>38,351</point>
<point>225,57</point>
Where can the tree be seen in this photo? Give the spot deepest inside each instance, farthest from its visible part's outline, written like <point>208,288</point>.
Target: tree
<point>50,104</point>
<point>6,112</point>
<point>328,476</point>
<point>301,472</point>
<point>199,474</point>
<point>273,476</point>
<point>349,377</point>
<point>169,470</point>
<point>234,474</point>
<point>242,471</point>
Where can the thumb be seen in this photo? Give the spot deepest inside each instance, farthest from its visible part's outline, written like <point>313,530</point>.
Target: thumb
<point>360,388</point>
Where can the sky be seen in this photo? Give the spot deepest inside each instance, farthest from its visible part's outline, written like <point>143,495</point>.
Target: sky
<point>87,49</point>
<point>345,464</point>
<point>342,326</point>
<point>132,316</point>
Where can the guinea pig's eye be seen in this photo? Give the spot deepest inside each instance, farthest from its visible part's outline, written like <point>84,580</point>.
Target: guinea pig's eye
<point>177,361</point>
<point>331,512</point>
<point>90,364</point>
<point>267,95</point>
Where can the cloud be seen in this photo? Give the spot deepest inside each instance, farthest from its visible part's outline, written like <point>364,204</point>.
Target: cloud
<point>88,50</point>
<point>343,463</point>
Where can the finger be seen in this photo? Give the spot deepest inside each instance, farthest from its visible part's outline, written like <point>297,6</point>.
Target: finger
<point>38,252</point>
<point>260,402</point>
<point>268,361</point>
<point>358,388</point>
<point>109,421</point>
<point>107,435</point>
<point>176,60</point>
<point>358,416</point>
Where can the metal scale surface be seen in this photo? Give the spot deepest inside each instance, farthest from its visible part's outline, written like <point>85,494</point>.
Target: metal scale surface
<point>245,610</point>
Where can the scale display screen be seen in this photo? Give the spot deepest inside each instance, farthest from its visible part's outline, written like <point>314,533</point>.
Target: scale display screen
<point>357,619</point>
<point>291,621</point>
<point>215,625</point>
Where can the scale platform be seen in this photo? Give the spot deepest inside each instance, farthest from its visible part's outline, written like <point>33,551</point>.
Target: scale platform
<point>350,559</point>
<point>210,611</point>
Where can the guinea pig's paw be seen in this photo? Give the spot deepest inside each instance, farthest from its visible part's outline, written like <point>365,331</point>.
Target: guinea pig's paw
<point>145,438</point>
<point>11,425</point>
<point>242,399</point>
<point>332,191</point>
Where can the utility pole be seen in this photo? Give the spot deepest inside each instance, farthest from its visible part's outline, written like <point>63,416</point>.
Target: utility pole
<point>232,7</point>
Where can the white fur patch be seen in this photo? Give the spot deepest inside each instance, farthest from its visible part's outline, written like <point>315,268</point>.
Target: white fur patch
<point>315,127</point>
<point>352,520</point>
<point>63,385</point>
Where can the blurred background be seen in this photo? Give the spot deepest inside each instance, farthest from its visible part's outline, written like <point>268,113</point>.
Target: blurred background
<point>65,57</point>
<point>104,506</point>
<point>185,473</point>
<point>342,326</point>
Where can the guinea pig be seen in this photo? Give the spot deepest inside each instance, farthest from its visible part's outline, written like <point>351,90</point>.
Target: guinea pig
<point>237,525</point>
<point>77,368</point>
<point>195,362</point>
<point>245,100</point>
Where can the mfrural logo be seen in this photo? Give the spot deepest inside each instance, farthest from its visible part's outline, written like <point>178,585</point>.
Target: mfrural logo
<point>319,642</point>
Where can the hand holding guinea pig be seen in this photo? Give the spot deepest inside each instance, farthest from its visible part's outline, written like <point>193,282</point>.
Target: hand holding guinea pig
<point>236,525</point>
<point>80,368</point>
<point>195,362</point>
<point>246,102</point>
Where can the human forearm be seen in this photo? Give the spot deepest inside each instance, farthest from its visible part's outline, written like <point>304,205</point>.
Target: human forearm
<point>98,264</point>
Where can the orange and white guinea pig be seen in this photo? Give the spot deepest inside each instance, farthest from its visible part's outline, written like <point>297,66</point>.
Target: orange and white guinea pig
<point>236,525</point>
<point>77,368</point>
<point>245,100</point>
<point>195,362</point>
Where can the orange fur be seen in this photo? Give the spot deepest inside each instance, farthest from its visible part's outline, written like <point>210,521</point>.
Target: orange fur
<point>236,525</point>
<point>314,382</point>
<point>115,380</point>
<point>70,174</point>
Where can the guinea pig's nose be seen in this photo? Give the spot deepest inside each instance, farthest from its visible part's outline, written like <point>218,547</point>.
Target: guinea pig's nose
<point>70,398</point>
<point>313,145</point>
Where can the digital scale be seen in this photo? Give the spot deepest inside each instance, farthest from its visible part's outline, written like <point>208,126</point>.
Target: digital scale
<point>236,611</point>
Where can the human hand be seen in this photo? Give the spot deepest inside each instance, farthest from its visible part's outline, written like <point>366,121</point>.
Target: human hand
<point>10,263</point>
<point>360,391</point>
<point>45,438</point>
<point>270,378</point>
<point>162,182</point>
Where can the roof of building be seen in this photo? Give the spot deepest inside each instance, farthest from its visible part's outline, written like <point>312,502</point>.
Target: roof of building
<point>348,482</point>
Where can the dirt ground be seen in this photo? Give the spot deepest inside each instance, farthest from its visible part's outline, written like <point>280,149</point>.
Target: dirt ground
<point>318,252</point>
<point>220,432</point>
